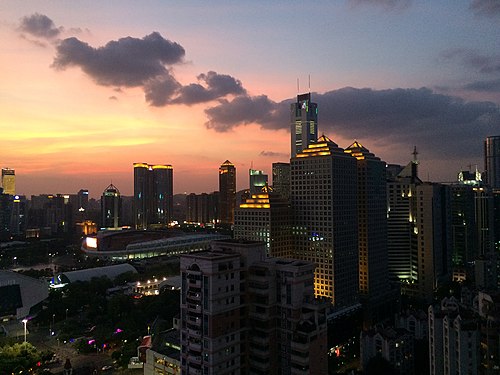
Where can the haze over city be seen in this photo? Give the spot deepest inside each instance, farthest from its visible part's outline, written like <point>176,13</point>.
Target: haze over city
<point>89,88</point>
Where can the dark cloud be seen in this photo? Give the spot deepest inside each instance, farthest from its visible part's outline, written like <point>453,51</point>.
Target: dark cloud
<point>489,8</point>
<point>112,97</point>
<point>126,62</point>
<point>243,110</point>
<point>40,26</point>
<point>475,60</point>
<point>387,4</point>
<point>484,86</point>
<point>160,90</point>
<point>216,86</point>
<point>273,154</point>
<point>399,116</point>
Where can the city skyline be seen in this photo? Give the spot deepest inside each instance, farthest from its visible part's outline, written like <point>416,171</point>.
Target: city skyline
<point>203,84</point>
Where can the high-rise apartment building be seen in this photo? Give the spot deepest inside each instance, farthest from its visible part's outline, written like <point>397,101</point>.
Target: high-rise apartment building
<point>243,313</point>
<point>265,216</point>
<point>281,179</point>
<point>372,221</point>
<point>492,161</point>
<point>110,207</point>
<point>202,208</point>
<point>304,123</point>
<point>227,192</point>
<point>153,195</point>
<point>325,218</point>
<point>9,181</point>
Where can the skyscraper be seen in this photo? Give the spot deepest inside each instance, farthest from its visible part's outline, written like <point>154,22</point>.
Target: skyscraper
<point>372,222</point>
<point>304,123</point>
<point>227,192</point>
<point>325,223</point>
<point>9,181</point>
<point>110,207</point>
<point>492,161</point>
<point>257,179</point>
<point>153,195</point>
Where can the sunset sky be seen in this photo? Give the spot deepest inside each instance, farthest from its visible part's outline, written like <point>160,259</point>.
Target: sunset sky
<point>89,87</point>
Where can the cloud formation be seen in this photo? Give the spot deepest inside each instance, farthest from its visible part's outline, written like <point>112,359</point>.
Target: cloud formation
<point>128,62</point>
<point>484,86</point>
<point>40,26</point>
<point>387,4</point>
<point>488,8</point>
<point>472,59</point>
<point>408,116</point>
<point>272,154</point>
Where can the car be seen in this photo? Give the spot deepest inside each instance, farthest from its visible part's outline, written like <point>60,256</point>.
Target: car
<point>106,368</point>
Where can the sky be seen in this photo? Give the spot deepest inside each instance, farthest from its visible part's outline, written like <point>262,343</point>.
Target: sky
<point>87,88</point>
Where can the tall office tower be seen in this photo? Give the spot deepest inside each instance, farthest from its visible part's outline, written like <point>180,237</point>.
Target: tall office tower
<point>9,181</point>
<point>281,179</point>
<point>18,215</point>
<point>492,161</point>
<point>5,210</point>
<point>110,207</point>
<point>454,339</point>
<point>244,314</point>
<point>304,123</point>
<point>153,195</point>
<point>325,223</point>
<point>227,192</point>
<point>372,222</point>
<point>265,216</point>
<point>418,232</point>
<point>257,179</point>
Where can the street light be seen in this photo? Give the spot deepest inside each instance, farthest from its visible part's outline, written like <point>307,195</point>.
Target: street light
<point>25,321</point>
<point>66,314</point>
<point>53,324</point>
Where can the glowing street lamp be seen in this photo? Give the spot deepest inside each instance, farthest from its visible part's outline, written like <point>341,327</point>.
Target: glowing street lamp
<point>25,321</point>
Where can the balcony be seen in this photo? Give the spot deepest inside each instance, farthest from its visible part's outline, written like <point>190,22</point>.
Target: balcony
<point>299,360</point>
<point>196,346</point>
<point>194,307</point>
<point>194,332</point>
<point>300,346</point>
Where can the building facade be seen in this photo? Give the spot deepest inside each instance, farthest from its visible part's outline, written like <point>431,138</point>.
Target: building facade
<point>153,195</point>
<point>9,181</point>
<point>244,313</point>
<point>304,123</point>
<point>110,207</point>
<point>492,161</point>
<point>227,192</point>
<point>281,179</point>
<point>325,218</point>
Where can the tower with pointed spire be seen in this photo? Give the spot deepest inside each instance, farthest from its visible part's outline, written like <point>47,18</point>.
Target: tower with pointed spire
<point>304,123</point>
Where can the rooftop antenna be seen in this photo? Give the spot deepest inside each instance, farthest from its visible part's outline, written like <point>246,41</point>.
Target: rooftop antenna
<point>298,87</point>
<point>309,83</point>
<point>415,153</point>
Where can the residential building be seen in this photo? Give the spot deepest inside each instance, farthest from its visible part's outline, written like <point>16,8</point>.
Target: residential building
<point>244,313</point>
<point>202,208</point>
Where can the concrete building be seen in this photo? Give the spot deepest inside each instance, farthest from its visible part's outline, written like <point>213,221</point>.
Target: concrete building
<point>266,217</point>
<point>325,218</point>
<point>153,195</point>
<point>244,313</point>
<point>304,123</point>
<point>281,179</point>
<point>453,339</point>
<point>492,161</point>
<point>110,207</point>
<point>202,208</point>
<point>227,192</point>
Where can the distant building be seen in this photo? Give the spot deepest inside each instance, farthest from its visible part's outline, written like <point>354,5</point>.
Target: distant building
<point>266,217</point>
<point>258,180</point>
<point>492,161</point>
<point>244,313</point>
<point>202,208</point>
<point>304,123</point>
<point>9,181</point>
<point>110,207</point>
<point>227,192</point>
<point>281,179</point>
<point>153,195</point>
